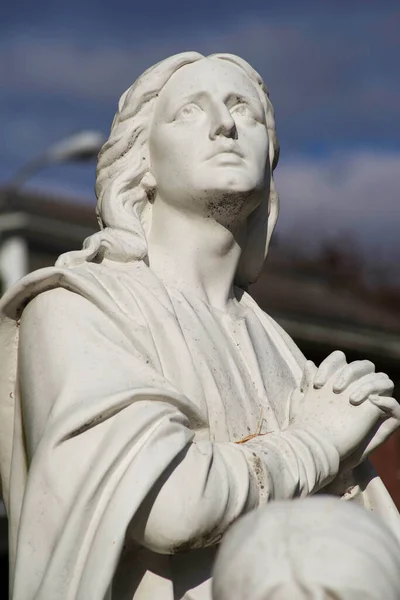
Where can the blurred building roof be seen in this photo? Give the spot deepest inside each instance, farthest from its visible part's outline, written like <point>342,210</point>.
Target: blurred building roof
<point>46,217</point>
<point>316,307</point>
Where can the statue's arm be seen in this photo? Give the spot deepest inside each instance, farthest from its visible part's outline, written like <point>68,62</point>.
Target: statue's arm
<point>82,393</point>
<point>216,483</point>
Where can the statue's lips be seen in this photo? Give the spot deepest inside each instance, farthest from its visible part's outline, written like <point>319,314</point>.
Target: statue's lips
<point>229,149</point>
<point>228,156</point>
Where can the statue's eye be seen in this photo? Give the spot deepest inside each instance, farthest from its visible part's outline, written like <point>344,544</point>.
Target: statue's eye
<point>242,110</point>
<point>188,111</point>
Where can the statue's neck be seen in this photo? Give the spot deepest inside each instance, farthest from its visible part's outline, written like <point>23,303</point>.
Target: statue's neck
<point>194,253</point>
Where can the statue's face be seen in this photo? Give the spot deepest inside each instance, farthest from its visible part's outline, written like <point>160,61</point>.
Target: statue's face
<point>209,141</point>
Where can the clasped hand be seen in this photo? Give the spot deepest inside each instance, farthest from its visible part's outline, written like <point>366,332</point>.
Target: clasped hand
<point>349,404</point>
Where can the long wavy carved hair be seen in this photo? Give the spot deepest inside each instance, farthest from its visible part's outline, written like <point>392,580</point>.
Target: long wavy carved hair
<point>122,184</point>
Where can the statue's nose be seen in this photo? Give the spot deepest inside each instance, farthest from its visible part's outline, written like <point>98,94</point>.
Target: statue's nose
<point>222,123</point>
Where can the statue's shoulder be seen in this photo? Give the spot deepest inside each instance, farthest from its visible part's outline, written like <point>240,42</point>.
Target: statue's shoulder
<point>101,284</point>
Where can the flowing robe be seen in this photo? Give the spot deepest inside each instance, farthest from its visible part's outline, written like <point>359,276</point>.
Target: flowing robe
<point>120,404</point>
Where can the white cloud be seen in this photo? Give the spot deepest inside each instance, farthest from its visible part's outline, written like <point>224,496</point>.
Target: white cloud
<point>355,193</point>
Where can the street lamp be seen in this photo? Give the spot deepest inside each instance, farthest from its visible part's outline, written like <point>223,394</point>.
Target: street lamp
<point>80,147</point>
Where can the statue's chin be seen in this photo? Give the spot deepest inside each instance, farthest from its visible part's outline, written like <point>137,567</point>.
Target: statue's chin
<point>224,198</point>
<point>234,178</point>
<point>231,179</point>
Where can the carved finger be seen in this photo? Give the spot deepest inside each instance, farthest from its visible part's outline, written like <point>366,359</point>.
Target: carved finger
<point>387,404</point>
<point>308,376</point>
<point>378,384</point>
<point>351,373</point>
<point>328,367</point>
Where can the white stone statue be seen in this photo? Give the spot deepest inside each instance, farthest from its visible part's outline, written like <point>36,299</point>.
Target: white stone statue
<point>314,549</point>
<point>146,400</point>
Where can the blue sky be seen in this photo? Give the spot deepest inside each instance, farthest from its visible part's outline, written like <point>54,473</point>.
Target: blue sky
<point>332,68</point>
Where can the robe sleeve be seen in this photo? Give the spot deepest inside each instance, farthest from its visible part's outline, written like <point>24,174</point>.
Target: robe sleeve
<point>104,428</point>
